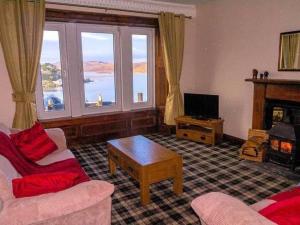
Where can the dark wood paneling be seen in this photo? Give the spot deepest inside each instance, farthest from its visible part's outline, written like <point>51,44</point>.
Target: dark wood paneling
<point>163,128</point>
<point>283,92</point>
<point>103,127</point>
<point>161,83</point>
<point>71,131</point>
<point>258,106</point>
<point>143,122</point>
<point>58,15</point>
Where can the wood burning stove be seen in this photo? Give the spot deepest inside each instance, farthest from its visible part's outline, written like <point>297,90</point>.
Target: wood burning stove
<point>284,145</point>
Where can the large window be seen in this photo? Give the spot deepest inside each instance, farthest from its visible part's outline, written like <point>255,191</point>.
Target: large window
<point>88,69</point>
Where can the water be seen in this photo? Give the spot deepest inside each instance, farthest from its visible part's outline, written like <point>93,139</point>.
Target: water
<point>104,85</point>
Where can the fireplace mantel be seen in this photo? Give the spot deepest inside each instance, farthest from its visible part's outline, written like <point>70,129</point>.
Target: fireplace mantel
<point>274,81</point>
<point>276,89</point>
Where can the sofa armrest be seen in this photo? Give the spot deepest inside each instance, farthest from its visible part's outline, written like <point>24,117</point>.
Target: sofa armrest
<point>29,210</point>
<point>219,209</point>
<point>58,136</point>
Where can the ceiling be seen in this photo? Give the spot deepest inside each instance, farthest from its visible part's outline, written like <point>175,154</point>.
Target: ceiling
<point>191,2</point>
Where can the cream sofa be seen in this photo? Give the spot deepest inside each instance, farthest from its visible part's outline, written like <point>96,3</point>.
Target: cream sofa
<point>216,208</point>
<point>88,203</point>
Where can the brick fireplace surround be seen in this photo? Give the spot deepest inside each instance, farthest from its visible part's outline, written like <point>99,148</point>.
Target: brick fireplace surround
<point>275,89</point>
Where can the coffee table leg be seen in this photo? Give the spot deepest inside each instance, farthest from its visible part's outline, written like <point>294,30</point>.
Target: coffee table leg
<point>177,183</point>
<point>112,166</point>
<point>145,190</point>
<point>145,194</point>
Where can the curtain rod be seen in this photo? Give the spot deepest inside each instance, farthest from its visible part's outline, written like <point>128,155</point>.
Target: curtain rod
<point>106,8</point>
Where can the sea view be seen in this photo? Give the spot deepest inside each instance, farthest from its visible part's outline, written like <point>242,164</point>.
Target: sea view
<point>102,85</point>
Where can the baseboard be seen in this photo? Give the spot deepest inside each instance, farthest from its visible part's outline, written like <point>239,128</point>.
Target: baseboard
<point>233,139</point>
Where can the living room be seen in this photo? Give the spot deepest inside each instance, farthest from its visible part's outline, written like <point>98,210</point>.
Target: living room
<point>224,43</point>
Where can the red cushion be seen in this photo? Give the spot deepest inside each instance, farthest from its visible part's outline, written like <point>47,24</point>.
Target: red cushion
<point>34,143</point>
<point>293,192</point>
<point>43,183</point>
<point>284,212</point>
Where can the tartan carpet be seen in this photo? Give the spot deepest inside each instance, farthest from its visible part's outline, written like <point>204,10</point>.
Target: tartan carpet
<point>205,169</point>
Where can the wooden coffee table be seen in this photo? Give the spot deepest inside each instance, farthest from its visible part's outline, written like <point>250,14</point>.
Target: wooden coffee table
<point>145,161</point>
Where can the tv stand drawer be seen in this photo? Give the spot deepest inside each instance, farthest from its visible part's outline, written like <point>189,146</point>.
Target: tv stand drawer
<point>195,136</point>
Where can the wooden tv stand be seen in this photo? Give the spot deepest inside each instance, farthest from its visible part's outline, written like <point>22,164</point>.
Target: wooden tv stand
<point>205,131</point>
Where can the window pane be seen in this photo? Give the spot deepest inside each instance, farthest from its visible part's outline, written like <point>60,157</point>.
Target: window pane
<point>140,74</point>
<point>98,69</point>
<point>52,82</point>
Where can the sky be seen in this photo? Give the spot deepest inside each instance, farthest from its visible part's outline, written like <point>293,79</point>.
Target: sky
<point>95,47</point>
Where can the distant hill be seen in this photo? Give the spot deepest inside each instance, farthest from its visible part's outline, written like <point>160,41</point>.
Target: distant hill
<point>140,67</point>
<point>98,67</point>
<point>102,67</point>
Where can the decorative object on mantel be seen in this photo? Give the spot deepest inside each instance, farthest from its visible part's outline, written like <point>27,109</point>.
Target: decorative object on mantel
<point>255,147</point>
<point>254,72</point>
<point>266,75</point>
<point>261,76</point>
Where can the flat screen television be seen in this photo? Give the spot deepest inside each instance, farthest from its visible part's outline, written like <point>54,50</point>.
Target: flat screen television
<point>201,106</point>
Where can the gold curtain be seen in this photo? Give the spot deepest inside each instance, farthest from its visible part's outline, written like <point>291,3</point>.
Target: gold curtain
<point>21,34</point>
<point>171,28</point>
<point>290,51</point>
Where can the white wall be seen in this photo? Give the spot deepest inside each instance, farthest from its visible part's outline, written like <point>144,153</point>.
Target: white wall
<point>188,71</point>
<point>235,36</point>
<point>189,66</point>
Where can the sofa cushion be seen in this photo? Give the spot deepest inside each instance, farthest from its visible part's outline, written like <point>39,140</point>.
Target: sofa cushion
<point>220,209</point>
<point>55,157</point>
<point>293,192</point>
<point>1,205</point>
<point>38,184</point>
<point>34,143</point>
<point>284,212</point>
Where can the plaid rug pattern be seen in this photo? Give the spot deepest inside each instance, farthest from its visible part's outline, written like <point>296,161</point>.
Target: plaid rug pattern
<point>205,169</point>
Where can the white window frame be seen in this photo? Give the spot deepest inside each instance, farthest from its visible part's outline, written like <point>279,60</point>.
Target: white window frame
<point>128,98</point>
<point>71,63</point>
<point>42,114</point>
<point>117,71</point>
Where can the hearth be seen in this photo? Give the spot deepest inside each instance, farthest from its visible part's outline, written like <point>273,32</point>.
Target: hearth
<point>284,145</point>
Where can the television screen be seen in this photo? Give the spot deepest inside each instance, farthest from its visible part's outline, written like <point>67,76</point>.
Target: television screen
<point>201,106</point>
